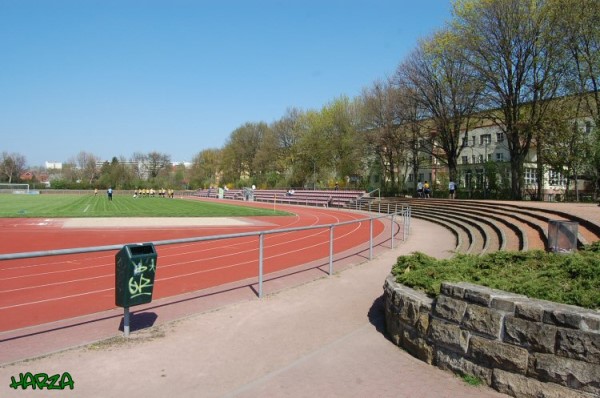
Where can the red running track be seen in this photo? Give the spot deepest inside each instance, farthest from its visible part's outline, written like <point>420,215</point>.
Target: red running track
<point>39,290</point>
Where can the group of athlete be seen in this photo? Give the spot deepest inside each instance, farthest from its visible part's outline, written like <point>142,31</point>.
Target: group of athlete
<point>145,193</point>
<point>424,190</point>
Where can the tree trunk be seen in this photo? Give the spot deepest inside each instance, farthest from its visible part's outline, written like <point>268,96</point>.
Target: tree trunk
<point>516,177</point>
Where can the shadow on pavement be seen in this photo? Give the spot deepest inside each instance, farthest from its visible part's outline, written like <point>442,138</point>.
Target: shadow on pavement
<point>139,321</point>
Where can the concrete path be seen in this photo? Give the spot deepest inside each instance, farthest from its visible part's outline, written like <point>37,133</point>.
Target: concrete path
<point>320,339</point>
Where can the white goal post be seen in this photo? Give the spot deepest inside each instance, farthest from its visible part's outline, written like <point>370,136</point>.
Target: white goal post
<point>14,188</point>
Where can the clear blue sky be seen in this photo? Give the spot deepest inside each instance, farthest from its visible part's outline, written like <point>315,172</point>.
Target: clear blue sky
<point>114,77</point>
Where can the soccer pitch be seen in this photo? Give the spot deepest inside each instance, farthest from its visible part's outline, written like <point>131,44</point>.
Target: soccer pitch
<point>61,206</point>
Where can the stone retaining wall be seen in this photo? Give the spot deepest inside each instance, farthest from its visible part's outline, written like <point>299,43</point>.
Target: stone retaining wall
<point>516,345</point>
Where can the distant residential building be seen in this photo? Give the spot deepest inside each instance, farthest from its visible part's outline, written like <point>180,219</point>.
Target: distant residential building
<point>485,144</point>
<point>27,176</point>
<point>53,165</point>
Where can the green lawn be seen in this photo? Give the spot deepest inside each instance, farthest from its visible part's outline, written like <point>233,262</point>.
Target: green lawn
<point>59,205</point>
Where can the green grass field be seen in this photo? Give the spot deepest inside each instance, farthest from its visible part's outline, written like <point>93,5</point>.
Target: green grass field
<point>57,206</point>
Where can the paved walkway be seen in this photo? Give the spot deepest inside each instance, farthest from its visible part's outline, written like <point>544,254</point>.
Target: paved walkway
<point>321,338</point>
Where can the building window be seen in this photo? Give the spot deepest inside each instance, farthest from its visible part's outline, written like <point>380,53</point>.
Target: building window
<point>480,159</point>
<point>499,137</point>
<point>473,159</point>
<point>530,176</point>
<point>465,160</point>
<point>421,175</point>
<point>474,140</point>
<point>499,157</point>
<point>465,141</point>
<point>489,157</point>
<point>468,179</point>
<point>556,178</point>
<point>485,139</point>
<point>479,178</point>
<point>410,177</point>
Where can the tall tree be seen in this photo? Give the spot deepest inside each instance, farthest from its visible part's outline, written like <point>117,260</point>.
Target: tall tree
<point>567,147</point>
<point>382,124</point>
<point>288,131</point>
<point>86,162</point>
<point>579,25</point>
<point>12,165</point>
<point>240,151</point>
<point>330,147</point>
<point>517,55</point>
<point>205,168</point>
<point>343,141</point>
<point>446,87</point>
<point>157,162</point>
<point>266,159</point>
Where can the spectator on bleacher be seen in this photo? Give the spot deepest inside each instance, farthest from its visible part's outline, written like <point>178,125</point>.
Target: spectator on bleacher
<point>330,201</point>
<point>419,189</point>
<point>337,187</point>
<point>426,190</point>
<point>451,189</point>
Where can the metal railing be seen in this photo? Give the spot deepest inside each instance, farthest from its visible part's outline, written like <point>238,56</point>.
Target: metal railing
<point>402,231</point>
<point>387,208</point>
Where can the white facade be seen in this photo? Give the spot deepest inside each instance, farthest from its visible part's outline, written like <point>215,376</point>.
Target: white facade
<point>488,144</point>
<point>53,165</point>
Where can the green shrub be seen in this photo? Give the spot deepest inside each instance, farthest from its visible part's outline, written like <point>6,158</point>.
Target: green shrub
<point>563,278</point>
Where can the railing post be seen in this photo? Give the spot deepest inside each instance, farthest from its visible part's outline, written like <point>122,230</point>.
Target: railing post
<point>331,250</point>
<point>406,214</point>
<point>260,264</point>
<point>392,228</point>
<point>126,321</point>
<point>371,238</point>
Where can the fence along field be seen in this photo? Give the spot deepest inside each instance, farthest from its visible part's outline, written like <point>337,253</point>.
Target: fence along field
<point>61,206</point>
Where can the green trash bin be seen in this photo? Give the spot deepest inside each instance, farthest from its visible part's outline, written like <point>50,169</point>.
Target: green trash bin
<point>135,267</point>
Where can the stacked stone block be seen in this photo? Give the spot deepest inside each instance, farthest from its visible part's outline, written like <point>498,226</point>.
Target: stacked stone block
<point>519,346</point>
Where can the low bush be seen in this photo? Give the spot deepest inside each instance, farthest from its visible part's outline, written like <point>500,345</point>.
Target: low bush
<point>563,278</point>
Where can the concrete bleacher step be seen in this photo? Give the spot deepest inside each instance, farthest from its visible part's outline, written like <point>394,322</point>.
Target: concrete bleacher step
<point>486,236</point>
<point>538,219</point>
<point>516,231</point>
<point>530,219</point>
<point>527,232</point>
<point>462,234</point>
<point>472,239</point>
<point>497,231</point>
<point>588,230</point>
<point>470,236</point>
